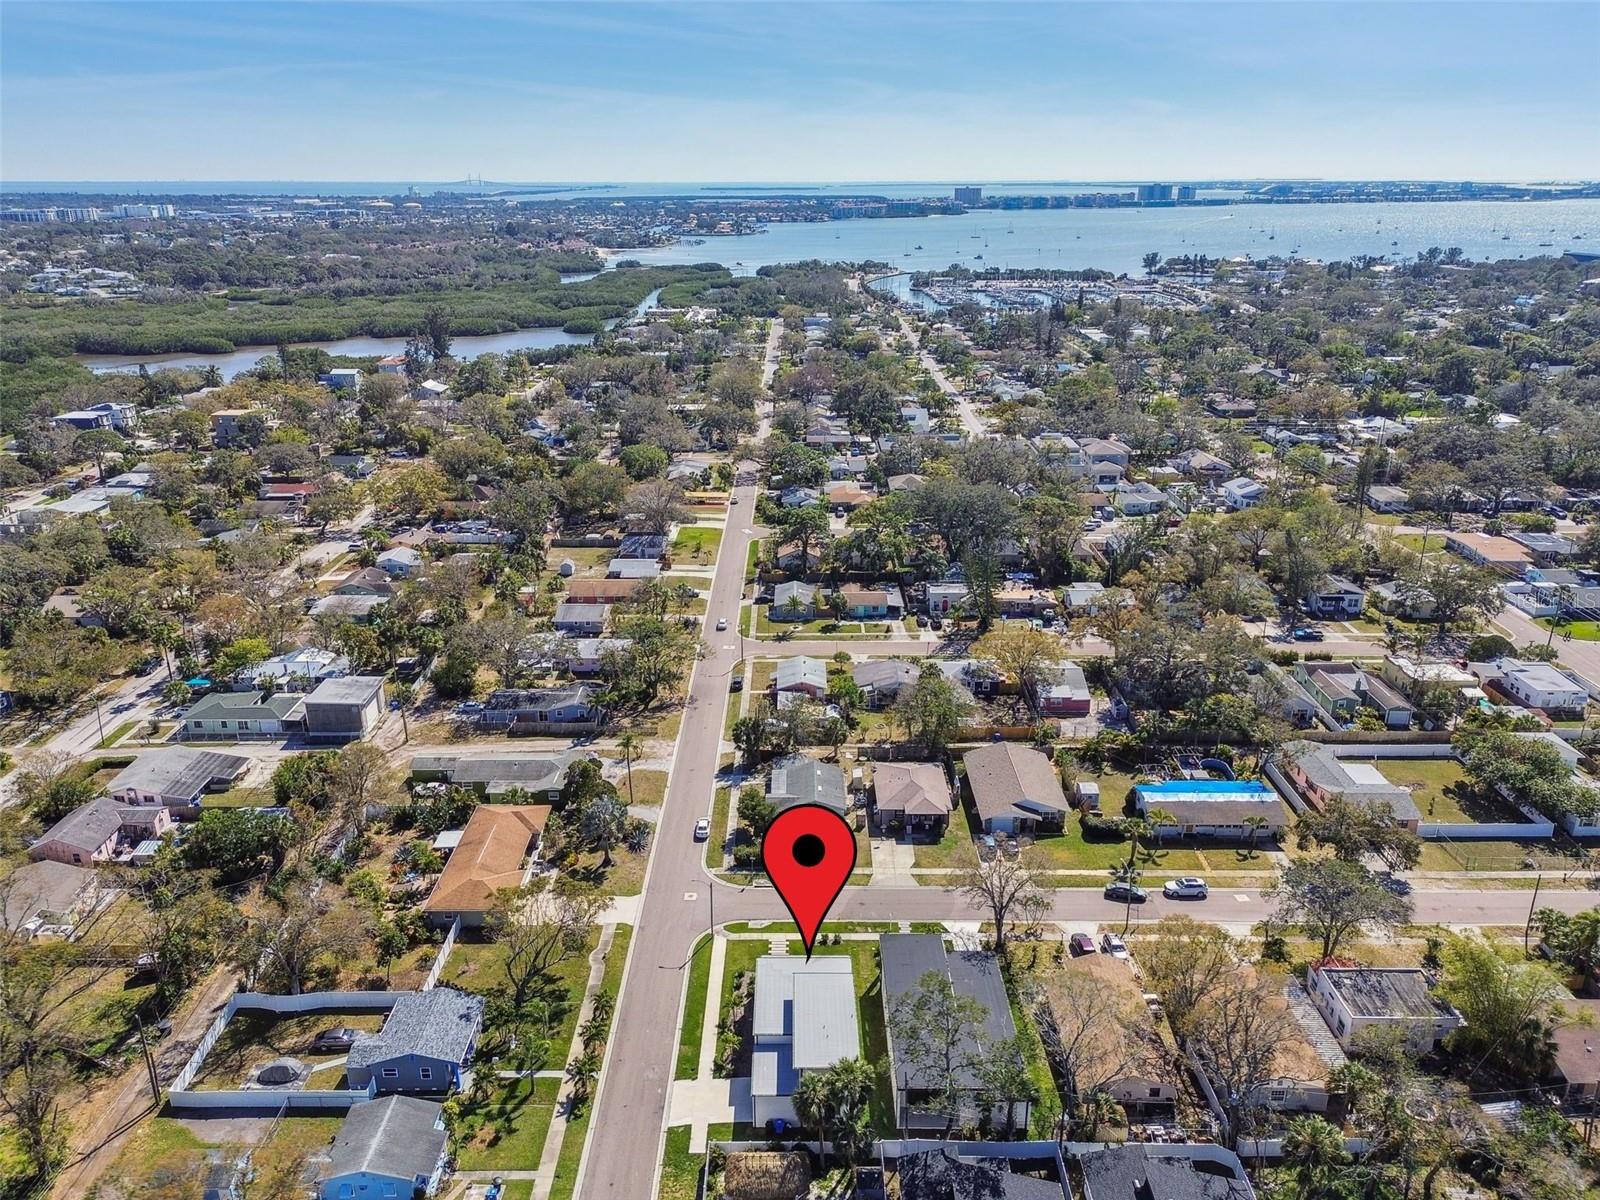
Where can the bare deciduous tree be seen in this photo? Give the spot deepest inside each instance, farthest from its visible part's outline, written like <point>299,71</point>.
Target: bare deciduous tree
<point>1009,891</point>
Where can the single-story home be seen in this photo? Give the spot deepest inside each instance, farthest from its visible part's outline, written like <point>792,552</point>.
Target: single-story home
<point>516,709</point>
<point>913,797</point>
<point>1062,691</point>
<point>1577,1052</point>
<point>95,832</point>
<point>1536,685</point>
<point>582,620</point>
<point>1216,808</point>
<point>492,855</point>
<point>587,656</point>
<point>1124,1058</point>
<point>1142,1171</point>
<point>297,671</point>
<point>882,680</point>
<point>537,776</point>
<point>1352,998</point>
<point>1321,774</point>
<point>244,716</point>
<point>395,1146</point>
<point>946,596</point>
<point>425,1043</point>
<point>880,603</point>
<point>1015,789</point>
<point>800,779</point>
<point>802,674</point>
<point>1487,550</point>
<point>400,562</point>
<point>176,777</point>
<point>793,601</point>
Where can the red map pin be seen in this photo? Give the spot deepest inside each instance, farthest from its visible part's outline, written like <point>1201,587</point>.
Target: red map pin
<point>808,852</point>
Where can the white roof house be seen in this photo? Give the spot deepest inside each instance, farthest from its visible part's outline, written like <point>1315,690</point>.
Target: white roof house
<point>1243,492</point>
<point>801,674</point>
<point>805,1020</point>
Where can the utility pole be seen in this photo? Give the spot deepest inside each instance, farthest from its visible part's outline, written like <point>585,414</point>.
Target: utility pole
<point>1527,930</point>
<point>149,1063</point>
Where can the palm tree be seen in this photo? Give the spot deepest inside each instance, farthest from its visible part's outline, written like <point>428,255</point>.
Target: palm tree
<point>1314,1149</point>
<point>581,1074</point>
<point>1256,825</point>
<point>627,743</point>
<point>812,1102</point>
<point>849,1089</point>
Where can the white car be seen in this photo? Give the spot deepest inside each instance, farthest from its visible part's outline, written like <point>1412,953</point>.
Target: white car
<point>1111,944</point>
<point>722,623</point>
<point>702,829</point>
<point>1187,888</point>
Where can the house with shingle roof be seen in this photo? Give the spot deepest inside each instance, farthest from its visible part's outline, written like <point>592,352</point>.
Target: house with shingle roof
<point>426,1041</point>
<point>906,959</point>
<point>801,779</point>
<point>1015,789</point>
<point>492,856</point>
<point>392,1146</point>
<point>913,797</point>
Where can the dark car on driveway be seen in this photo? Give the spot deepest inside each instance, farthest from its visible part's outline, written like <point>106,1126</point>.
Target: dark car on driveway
<point>1080,944</point>
<point>333,1041</point>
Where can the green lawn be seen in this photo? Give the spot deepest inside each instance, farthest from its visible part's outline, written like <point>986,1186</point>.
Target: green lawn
<point>680,1170</point>
<point>1488,855</point>
<point>697,543</point>
<point>1581,631</point>
<point>742,955</point>
<point>717,842</point>
<point>1442,792</point>
<point>616,960</point>
<point>517,1117</point>
<point>566,1177</point>
<point>751,558</point>
<point>694,1010</point>
<point>577,1131</point>
<point>1048,1108</point>
<point>117,734</point>
<point>1071,851</point>
<point>478,966</point>
<point>766,628</point>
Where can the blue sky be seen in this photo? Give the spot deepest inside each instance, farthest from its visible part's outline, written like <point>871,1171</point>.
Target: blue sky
<point>795,91</point>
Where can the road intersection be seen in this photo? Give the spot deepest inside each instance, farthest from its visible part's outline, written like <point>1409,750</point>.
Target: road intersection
<point>681,901</point>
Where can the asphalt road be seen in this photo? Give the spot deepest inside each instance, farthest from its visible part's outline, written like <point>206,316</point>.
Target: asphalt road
<point>680,899</point>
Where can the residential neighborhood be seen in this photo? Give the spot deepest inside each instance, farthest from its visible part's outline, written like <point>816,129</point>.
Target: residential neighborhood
<point>398,738</point>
